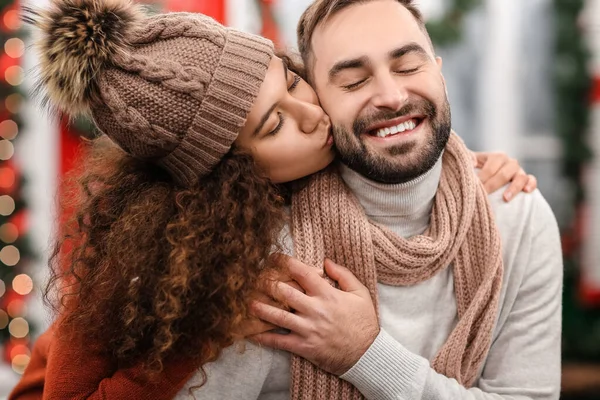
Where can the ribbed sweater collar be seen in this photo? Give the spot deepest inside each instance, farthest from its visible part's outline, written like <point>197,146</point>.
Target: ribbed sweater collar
<point>404,206</point>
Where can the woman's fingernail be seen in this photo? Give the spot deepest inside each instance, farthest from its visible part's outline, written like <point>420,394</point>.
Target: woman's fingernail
<point>508,196</point>
<point>528,188</point>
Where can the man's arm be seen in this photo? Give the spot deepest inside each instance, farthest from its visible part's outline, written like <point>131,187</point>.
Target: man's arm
<point>523,362</point>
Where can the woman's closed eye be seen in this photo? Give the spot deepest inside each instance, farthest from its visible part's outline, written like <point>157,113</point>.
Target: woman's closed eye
<point>295,83</point>
<point>279,125</point>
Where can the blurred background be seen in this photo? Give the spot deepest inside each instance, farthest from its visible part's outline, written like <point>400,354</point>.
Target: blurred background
<point>523,78</point>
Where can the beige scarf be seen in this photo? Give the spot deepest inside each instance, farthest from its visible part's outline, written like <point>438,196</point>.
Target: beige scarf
<point>328,221</point>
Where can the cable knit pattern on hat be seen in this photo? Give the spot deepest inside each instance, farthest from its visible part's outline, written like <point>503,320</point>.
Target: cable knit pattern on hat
<point>328,221</point>
<point>216,70</point>
<point>174,89</point>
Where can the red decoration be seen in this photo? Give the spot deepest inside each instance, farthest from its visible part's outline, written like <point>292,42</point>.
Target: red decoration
<point>596,90</point>
<point>269,29</point>
<point>213,8</point>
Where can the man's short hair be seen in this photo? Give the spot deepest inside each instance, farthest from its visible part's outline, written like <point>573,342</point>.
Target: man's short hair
<point>321,10</point>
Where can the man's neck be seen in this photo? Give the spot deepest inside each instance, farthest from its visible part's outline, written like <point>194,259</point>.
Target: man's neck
<point>405,206</point>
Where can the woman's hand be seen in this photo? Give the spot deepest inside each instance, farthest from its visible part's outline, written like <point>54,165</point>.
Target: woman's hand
<point>255,326</point>
<point>498,169</point>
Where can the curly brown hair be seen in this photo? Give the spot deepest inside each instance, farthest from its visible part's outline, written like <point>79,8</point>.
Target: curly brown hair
<point>149,269</point>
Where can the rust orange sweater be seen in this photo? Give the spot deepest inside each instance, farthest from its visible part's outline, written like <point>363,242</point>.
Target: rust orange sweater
<point>60,370</point>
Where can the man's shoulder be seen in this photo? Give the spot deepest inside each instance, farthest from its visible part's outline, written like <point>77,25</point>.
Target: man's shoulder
<point>529,234</point>
<point>525,212</point>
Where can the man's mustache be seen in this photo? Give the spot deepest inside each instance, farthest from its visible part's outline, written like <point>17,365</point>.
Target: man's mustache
<point>423,107</point>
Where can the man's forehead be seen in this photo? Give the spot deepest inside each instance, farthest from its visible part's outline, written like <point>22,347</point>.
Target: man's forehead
<point>351,34</point>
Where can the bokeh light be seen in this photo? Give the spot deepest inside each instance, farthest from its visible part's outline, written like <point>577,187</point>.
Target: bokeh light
<point>7,150</point>
<point>9,233</point>
<point>13,104</point>
<point>22,284</point>
<point>7,178</point>
<point>18,327</point>
<point>16,308</point>
<point>20,362</point>
<point>19,349</point>
<point>14,75</point>
<point>7,205</point>
<point>14,47</point>
<point>3,319</point>
<point>2,288</point>
<point>9,129</point>
<point>10,255</point>
<point>12,20</point>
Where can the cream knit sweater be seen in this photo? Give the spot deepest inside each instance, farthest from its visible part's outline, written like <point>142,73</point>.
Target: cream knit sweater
<point>524,359</point>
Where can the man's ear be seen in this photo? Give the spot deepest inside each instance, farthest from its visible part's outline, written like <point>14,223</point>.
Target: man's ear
<point>438,61</point>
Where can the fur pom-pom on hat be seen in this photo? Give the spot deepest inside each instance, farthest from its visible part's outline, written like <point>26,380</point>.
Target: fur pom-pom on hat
<point>173,89</point>
<point>79,38</point>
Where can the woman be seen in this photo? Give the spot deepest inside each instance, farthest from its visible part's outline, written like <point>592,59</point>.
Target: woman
<point>176,222</point>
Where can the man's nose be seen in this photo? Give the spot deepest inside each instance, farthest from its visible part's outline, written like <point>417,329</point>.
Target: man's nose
<point>388,93</point>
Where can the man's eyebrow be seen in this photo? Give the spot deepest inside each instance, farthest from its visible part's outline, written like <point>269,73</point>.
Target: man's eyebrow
<point>406,49</point>
<point>354,63</point>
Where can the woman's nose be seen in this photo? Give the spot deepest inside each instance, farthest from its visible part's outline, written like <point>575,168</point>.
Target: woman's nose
<point>310,115</point>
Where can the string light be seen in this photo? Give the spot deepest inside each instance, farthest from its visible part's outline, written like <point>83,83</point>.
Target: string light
<point>3,319</point>
<point>14,75</point>
<point>9,128</point>
<point>9,233</point>
<point>14,47</point>
<point>18,327</point>
<point>22,284</point>
<point>13,104</point>
<point>10,255</point>
<point>12,317</point>
<point>7,150</point>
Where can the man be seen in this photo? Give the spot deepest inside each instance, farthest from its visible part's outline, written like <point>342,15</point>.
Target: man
<point>374,69</point>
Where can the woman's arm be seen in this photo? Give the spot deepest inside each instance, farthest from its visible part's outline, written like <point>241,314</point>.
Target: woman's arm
<point>60,369</point>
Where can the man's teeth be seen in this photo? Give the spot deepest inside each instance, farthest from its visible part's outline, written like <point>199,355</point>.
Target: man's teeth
<point>405,126</point>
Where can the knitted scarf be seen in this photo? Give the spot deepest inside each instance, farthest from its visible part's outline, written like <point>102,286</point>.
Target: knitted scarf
<point>328,221</point>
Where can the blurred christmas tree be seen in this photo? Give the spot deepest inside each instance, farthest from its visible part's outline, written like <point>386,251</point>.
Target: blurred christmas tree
<point>15,284</point>
<point>572,85</point>
<point>581,322</point>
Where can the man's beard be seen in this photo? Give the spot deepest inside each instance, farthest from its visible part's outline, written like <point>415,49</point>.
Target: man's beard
<point>390,168</point>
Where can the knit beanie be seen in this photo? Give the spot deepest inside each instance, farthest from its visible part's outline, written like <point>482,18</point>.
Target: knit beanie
<point>174,88</point>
